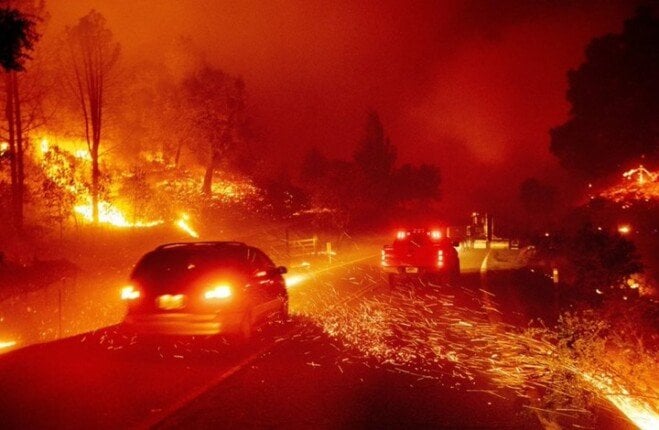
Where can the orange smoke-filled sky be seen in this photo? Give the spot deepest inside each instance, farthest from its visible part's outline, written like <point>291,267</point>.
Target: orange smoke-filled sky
<point>473,86</point>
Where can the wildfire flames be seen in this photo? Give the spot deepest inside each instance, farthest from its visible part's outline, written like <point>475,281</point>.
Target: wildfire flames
<point>223,190</point>
<point>638,184</point>
<point>109,214</point>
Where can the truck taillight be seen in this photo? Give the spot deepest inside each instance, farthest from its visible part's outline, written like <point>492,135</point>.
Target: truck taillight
<point>440,258</point>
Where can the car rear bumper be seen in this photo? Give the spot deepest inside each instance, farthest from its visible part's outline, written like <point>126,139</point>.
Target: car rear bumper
<point>183,323</point>
<point>417,270</point>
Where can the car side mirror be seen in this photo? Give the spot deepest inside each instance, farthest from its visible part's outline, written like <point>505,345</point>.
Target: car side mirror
<point>281,270</point>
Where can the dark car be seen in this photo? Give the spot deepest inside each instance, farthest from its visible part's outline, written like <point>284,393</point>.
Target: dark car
<point>205,288</point>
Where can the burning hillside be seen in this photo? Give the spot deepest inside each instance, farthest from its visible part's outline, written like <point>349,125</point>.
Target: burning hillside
<point>637,185</point>
<point>138,198</point>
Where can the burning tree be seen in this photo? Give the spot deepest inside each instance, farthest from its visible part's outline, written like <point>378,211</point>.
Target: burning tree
<point>90,55</point>
<point>217,109</point>
<point>17,37</point>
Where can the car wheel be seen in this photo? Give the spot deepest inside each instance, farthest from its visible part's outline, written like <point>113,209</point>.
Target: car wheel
<point>282,315</point>
<point>455,274</point>
<point>393,280</point>
<point>246,328</point>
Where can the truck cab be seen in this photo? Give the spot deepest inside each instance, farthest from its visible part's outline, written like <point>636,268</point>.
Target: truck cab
<point>424,253</point>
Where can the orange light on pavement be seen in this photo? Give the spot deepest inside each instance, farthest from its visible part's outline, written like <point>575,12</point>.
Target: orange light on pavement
<point>184,224</point>
<point>129,292</point>
<point>218,292</point>
<point>294,280</point>
<point>7,344</point>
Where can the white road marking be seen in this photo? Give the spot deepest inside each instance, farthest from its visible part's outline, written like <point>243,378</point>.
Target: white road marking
<point>484,264</point>
<point>156,419</point>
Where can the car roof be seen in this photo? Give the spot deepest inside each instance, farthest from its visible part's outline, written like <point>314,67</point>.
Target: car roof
<point>200,245</point>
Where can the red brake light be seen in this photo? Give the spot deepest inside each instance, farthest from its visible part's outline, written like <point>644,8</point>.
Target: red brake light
<point>129,292</point>
<point>435,234</point>
<point>218,292</point>
<point>401,234</point>
<point>440,258</point>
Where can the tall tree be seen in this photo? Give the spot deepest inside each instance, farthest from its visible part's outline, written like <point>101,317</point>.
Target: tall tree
<point>91,56</point>
<point>375,157</point>
<point>375,154</point>
<point>216,103</point>
<point>614,118</point>
<point>17,37</point>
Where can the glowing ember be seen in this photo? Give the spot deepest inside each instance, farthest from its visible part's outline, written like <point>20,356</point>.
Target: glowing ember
<point>184,224</point>
<point>434,337</point>
<point>624,229</point>
<point>109,214</point>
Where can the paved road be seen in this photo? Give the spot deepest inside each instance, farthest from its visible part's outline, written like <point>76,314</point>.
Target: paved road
<point>335,365</point>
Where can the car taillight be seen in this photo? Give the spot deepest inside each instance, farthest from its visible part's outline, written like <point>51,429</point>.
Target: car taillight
<point>401,234</point>
<point>218,292</point>
<point>440,258</point>
<point>435,234</point>
<point>383,258</point>
<point>129,292</point>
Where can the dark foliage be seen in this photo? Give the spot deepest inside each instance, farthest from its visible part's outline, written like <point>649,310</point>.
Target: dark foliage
<point>615,101</point>
<point>592,259</point>
<point>17,36</point>
<point>364,192</point>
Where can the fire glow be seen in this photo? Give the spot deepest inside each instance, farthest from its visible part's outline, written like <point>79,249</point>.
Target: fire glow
<point>184,224</point>
<point>7,344</point>
<point>109,214</point>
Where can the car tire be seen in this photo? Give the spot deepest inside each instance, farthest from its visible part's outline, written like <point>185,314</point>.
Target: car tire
<point>283,312</point>
<point>246,328</point>
<point>455,274</point>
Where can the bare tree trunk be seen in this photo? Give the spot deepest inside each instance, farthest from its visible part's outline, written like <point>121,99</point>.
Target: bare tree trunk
<point>96,173</point>
<point>9,113</point>
<point>208,179</point>
<point>177,157</point>
<point>20,166</point>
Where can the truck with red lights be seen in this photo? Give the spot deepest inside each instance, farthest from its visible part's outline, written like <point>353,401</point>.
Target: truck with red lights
<point>426,254</point>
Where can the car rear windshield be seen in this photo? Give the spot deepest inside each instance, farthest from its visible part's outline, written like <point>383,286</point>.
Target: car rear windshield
<point>418,239</point>
<point>176,262</point>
